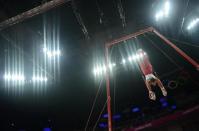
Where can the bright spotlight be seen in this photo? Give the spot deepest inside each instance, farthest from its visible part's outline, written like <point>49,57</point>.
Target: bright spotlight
<point>95,72</point>
<point>104,68</point>
<point>193,23</point>
<point>99,70</point>
<point>39,79</point>
<point>110,66</point>
<point>123,61</point>
<point>159,15</point>
<point>14,77</point>
<point>130,58</point>
<point>166,8</point>
<point>7,76</point>
<point>136,57</point>
<point>51,53</point>
<point>164,12</point>
<point>45,49</point>
<point>113,64</point>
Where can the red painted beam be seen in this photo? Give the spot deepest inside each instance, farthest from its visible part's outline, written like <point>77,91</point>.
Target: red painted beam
<point>116,41</point>
<point>178,50</point>
<point>108,92</point>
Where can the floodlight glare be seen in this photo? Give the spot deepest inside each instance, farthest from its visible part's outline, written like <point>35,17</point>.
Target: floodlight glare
<point>45,49</point>
<point>14,77</point>
<point>39,79</point>
<point>110,66</point>
<point>193,23</point>
<point>113,64</point>
<point>136,57</point>
<point>130,58</point>
<point>94,71</point>
<point>51,53</point>
<point>164,12</point>
<point>159,15</point>
<point>99,70</point>
<point>166,8</point>
<point>7,76</point>
<point>123,61</point>
<point>104,68</point>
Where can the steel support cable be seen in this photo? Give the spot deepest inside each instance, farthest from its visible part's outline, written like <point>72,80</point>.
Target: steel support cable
<point>100,115</point>
<point>93,105</point>
<point>114,96</point>
<point>183,19</point>
<point>165,54</point>
<point>101,14</point>
<point>121,12</point>
<point>79,19</point>
<point>185,43</point>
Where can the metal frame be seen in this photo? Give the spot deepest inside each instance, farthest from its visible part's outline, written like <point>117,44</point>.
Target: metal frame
<point>32,12</point>
<point>117,41</point>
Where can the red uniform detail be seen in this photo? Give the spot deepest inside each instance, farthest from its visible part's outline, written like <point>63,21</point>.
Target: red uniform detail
<point>145,65</point>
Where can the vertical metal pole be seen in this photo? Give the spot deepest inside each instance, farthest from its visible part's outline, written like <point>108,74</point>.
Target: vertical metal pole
<point>179,51</point>
<point>108,89</point>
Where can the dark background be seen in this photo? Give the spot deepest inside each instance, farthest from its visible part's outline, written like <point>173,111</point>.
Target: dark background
<point>67,99</point>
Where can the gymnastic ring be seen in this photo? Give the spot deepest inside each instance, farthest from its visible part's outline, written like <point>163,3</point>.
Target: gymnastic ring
<point>172,82</point>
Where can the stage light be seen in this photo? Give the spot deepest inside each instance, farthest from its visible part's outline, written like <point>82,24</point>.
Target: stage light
<point>130,58</point>
<point>159,15</point>
<point>162,99</point>
<point>53,53</point>
<point>104,68</point>
<point>166,8</point>
<point>123,61</point>
<point>50,53</point>
<point>39,79</point>
<point>105,116</point>
<point>45,49</point>
<point>135,109</point>
<point>164,104</point>
<point>103,125</point>
<point>47,129</point>
<point>99,70</point>
<point>173,107</point>
<point>116,117</point>
<point>164,12</point>
<point>96,71</point>
<point>113,64</point>
<point>110,66</point>
<point>136,57</point>
<point>7,76</point>
<point>193,23</point>
<point>14,77</point>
